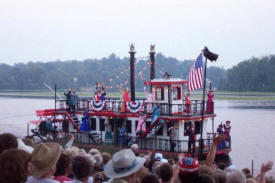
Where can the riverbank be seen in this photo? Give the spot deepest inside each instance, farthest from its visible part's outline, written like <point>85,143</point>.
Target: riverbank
<point>219,95</point>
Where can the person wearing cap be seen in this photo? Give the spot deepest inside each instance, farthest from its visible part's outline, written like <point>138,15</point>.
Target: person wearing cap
<point>159,157</point>
<point>123,166</point>
<point>43,163</point>
<point>188,170</point>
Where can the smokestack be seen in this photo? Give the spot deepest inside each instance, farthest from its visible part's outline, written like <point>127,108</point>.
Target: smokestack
<point>132,72</point>
<point>152,59</point>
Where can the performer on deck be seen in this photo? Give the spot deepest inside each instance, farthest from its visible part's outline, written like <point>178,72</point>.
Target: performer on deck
<point>74,101</point>
<point>69,100</point>
<point>172,135</point>
<point>210,102</point>
<point>122,134</point>
<point>227,128</point>
<point>149,101</point>
<point>126,98</point>
<point>191,132</point>
<point>187,102</point>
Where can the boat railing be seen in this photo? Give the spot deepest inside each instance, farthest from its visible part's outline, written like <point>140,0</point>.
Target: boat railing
<point>158,144</point>
<point>118,106</point>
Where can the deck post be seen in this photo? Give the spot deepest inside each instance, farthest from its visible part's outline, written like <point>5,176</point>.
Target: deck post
<point>132,72</point>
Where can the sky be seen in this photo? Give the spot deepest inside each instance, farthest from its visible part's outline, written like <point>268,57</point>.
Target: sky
<point>49,30</point>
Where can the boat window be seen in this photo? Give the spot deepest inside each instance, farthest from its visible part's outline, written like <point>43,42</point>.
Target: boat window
<point>159,93</point>
<point>93,123</point>
<point>197,127</point>
<point>102,125</point>
<point>160,131</point>
<point>129,126</point>
<point>177,93</point>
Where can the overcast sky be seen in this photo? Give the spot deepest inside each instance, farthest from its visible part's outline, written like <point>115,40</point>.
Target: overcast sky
<point>47,30</point>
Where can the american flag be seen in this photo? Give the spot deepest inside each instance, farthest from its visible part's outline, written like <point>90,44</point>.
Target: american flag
<point>195,75</point>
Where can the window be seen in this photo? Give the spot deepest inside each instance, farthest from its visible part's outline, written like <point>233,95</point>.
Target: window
<point>159,93</point>
<point>93,123</point>
<point>129,126</point>
<point>160,131</point>
<point>177,93</point>
<point>197,127</point>
<point>102,124</point>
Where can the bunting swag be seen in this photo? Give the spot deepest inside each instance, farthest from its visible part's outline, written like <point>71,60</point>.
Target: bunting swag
<point>97,106</point>
<point>135,106</point>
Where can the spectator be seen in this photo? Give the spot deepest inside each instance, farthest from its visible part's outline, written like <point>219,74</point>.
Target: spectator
<point>123,166</point>
<point>14,165</point>
<point>63,168</point>
<point>7,141</point>
<point>98,165</point>
<point>235,176</point>
<point>94,151</point>
<point>205,178</point>
<point>219,176</point>
<point>106,158</point>
<point>82,168</point>
<point>43,163</point>
<point>150,178</point>
<point>140,174</point>
<point>134,148</point>
<point>188,170</point>
<point>166,173</point>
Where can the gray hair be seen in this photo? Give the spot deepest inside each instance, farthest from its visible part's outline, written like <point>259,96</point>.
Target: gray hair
<point>235,176</point>
<point>98,160</point>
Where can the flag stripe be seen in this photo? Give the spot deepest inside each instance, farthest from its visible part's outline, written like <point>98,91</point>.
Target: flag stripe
<point>195,75</point>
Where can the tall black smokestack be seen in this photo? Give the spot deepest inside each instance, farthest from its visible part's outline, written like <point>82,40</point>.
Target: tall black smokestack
<point>132,72</point>
<point>152,63</point>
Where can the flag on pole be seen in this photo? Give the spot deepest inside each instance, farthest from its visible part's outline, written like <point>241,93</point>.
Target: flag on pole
<point>195,75</point>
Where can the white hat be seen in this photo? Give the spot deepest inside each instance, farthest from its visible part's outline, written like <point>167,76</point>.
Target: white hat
<point>23,146</point>
<point>159,157</point>
<point>123,164</point>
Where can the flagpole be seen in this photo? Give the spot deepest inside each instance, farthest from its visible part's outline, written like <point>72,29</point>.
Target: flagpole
<point>202,112</point>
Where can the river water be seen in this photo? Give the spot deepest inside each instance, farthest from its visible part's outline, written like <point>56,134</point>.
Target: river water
<point>252,133</point>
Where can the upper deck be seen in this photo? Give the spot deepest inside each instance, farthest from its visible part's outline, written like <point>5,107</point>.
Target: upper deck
<point>112,107</point>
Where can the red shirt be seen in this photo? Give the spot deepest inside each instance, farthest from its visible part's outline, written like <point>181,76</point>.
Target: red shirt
<point>62,178</point>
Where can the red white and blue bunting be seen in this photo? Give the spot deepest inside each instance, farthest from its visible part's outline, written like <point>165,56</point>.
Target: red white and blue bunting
<point>135,106</point>
<point>97,105</point>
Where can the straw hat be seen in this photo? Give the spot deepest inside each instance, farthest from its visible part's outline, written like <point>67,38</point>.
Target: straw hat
<point>123,164</point>
<point>44,157</point>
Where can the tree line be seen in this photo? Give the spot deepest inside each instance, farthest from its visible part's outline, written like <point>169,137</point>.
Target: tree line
<point>255,74</point>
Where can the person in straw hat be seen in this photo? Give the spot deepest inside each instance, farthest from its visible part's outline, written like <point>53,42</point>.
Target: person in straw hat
<point>123,166</point>
<point>43,163</point>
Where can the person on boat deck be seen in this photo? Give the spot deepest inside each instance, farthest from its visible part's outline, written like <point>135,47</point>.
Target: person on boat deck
<point>187,102</point>
<point>149,100</point>
<point>122,133</point>
<point>102,94</point>
<point>69,100</point>
<point>191,132</point>
<point>126,98</point>
<point>220,131</point>
<point>210,102</point>
<point>96,96</point>
<point>172,135</point>
<point>227,128</point>
<point>74,100</point>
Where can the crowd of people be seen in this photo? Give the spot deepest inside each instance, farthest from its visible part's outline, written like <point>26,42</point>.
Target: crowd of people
<point>24,161</point>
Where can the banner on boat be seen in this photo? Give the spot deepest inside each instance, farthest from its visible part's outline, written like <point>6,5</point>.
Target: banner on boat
<point>98,105</point>
<point>135,106</point>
